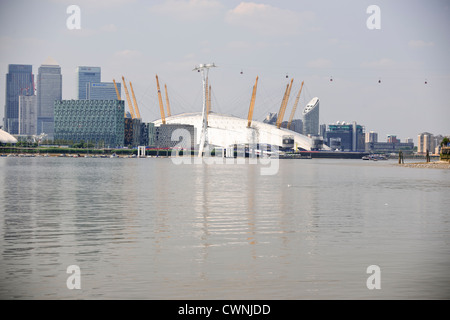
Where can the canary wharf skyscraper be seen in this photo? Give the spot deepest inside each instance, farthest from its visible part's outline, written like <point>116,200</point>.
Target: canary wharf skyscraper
<point>49,90</point>
<point>87,75</point>
<point>102,91</point>
<point>19,81</point>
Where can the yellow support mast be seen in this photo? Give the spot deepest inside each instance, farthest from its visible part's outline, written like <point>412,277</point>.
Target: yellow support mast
<point>169,114</point>
<point>161,106</point>
<point>118,95</point>
<point>295,107</point>
<point>117,90</point>
<point>130,105</point>
<point>252,104</point>
<point>138,114</point>
<point>284,104</point>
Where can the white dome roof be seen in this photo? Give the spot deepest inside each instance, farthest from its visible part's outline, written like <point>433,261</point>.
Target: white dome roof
<point>5,137</point>
<point>225,130</point>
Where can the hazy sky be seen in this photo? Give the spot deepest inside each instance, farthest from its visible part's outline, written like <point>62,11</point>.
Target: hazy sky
<point>309,41</point>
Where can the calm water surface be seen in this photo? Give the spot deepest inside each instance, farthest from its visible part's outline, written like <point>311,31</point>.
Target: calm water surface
<point>150,229</point>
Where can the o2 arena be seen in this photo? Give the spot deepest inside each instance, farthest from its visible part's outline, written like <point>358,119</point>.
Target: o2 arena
<point>223,131</point>
<point>5,137</point>
<point>227,130</point>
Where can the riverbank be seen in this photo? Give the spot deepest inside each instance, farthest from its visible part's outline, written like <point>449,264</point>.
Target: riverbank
<point>432,165</point>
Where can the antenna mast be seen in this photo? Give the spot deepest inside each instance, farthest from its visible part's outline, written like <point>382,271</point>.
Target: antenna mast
<point>204,69</point>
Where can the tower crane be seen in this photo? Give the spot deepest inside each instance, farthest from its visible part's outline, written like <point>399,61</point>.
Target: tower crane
<point>295,107</point>
<point>161,107</point>
<point>130,105</point>
<point>252,104</point>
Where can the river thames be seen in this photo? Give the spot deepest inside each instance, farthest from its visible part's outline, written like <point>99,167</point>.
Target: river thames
<point>151,229</point>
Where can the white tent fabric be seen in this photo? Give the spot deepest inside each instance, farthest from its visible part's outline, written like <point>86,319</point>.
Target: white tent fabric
<point>5,137</point>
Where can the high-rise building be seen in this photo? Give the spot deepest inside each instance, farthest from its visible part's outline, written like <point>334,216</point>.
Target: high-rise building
<point>85,76</point>
<point>99,122</point>
<point>438,139</point>
<point>27,115</point>
<point>271,118</point>
<point>297,126</point>
<point>392,139</point>
<point>323,131</point>
<point>346,137</point>
<point>437,143</point>
<point>311,118</point>
<point>102,91</point>
<point>425,142</point>
<point>19,81</point>
<point>371,137</point>
<point>49,90</point>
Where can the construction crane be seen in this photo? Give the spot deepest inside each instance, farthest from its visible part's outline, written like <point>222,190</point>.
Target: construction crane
<point>169,114</point>
<point>161,107</point>
<point>138,114</point>
<point>295,107</point>
<point>284,104</point>
<point>252,104</point>
<point>130,105</point>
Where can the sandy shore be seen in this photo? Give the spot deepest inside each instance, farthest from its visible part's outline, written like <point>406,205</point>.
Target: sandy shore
<point>434,165</point>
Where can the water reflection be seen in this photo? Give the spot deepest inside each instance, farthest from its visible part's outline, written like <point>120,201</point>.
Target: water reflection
<point>147,228</point>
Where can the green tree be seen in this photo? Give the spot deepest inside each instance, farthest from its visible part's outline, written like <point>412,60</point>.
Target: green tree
<point>445,142</point>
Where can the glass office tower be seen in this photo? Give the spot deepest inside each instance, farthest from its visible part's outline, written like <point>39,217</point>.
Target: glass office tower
<point>102,91</point>
<point>19,81</point>
<point>27,115</point>
<point>49,89</point>
<point>86,75</point>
